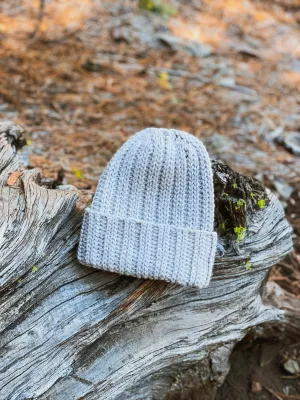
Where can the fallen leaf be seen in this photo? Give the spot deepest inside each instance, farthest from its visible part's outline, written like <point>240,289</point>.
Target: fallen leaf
<point>78,173</point>
<point>163,80</point>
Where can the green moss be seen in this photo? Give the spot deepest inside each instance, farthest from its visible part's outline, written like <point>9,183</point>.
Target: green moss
<point>261,203</point>
<point>34,268</point>
<point>240,232</point>
<point>236,197</point>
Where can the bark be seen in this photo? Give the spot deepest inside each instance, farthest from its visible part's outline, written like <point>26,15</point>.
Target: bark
<point>72,332</point>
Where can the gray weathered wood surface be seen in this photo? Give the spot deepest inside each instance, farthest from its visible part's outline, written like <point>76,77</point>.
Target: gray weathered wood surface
<point>72,332</point>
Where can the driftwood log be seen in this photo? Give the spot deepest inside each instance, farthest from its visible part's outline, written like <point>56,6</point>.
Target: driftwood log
<point>72,332</point>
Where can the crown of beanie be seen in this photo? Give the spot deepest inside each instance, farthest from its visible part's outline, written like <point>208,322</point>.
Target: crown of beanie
<point>152,215</point>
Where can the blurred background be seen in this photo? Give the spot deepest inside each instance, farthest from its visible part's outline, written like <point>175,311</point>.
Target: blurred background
<point>83,75</point>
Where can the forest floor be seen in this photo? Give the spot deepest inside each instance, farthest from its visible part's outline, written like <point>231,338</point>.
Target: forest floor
<point>83,75</point>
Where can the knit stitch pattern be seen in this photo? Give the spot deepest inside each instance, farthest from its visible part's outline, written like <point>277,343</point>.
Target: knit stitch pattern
<point>152,215</point>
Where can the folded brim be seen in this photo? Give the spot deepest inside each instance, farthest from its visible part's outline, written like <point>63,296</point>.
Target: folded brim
<point>147,250</point>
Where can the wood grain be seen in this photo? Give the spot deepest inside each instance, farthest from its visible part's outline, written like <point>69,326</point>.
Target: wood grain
<point>72,332</point>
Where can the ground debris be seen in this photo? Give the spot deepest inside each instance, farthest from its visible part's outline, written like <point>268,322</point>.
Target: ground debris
<point>292,366</point>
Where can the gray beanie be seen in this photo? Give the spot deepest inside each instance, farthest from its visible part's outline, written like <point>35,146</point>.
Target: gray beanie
<point>153,211</point>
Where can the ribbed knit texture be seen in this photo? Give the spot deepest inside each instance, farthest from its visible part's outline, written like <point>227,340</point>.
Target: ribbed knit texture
<point>153,211</point>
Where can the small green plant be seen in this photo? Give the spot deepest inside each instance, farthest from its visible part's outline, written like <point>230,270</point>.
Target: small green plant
<point>234,185</point>
<point>158,7</point>
<point>34,268</point>
<point>240,203</point>
<point>252,194</point>
<point>248,265</point>
<point>261,203</point>
<point>223,225</point>
<point>240,232</point>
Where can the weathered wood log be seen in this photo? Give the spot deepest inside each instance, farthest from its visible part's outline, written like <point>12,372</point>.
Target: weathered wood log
<point>72,332</point>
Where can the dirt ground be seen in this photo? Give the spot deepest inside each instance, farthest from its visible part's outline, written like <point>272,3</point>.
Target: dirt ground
<point>257,372</point>
<point>84,75</point>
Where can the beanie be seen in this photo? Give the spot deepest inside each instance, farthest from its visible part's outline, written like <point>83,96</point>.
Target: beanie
<point>152,215</point>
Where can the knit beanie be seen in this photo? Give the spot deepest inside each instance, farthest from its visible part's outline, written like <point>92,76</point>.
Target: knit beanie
<point>152,215</point>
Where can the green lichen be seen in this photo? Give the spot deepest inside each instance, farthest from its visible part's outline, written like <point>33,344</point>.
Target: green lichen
<point>34,268</point>
<point>240,232</point>
<point>234,186</point>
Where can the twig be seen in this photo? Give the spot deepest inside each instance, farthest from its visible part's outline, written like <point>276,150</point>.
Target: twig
<point>39,19</point>
<point>297,376</point>
<point>285,396</point>
<point>273,393</point>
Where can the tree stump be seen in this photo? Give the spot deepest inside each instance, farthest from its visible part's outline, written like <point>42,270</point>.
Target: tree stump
<point>73,332</point>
